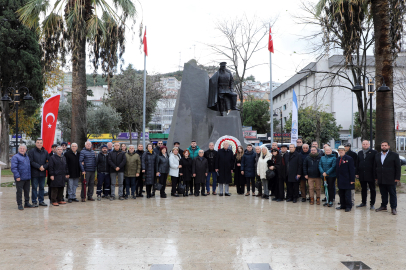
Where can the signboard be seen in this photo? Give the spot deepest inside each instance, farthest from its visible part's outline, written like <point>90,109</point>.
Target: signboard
<point>134,135</point>
<point>249,134</point>
<point>345,136</point>
<point>279,136</point>
<point>246,128</point>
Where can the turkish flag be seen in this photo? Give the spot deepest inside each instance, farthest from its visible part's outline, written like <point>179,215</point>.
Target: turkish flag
<point>270,41</point>
<point>144,41</point>
<point>48,121</point>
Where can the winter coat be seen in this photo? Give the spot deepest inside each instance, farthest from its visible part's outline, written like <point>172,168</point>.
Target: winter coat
<point>162,164</point>
<point>248,163</point>
<point>224,164</point>
<point>103,163</point>
<point>117,159</point>
<point>365,167</point>
<point>89,158</point>
<point>311,166</point>
<point>389,171</point>
<point>353,155</point>
<point>193,153</point>
<point>38,158</point>
<point>284,165</point>
<point>345,172</point>
<point>148,165</point>
<point>132,165</point>
<point>174,162</point>
<point>72,162</point>
<point>211,156</point>
<point>327,164</point>
<point>21,167</point>
<point>294,166</point>
<point>58,169</point>
<point>304,156</point>
<point>140,153</point>
<point>239,179</point>
<point>186,170</point>
<point>276,162</point>
<point>200,167</point>
<point>262,165</point>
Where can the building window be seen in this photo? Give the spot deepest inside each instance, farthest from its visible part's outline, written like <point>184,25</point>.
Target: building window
<point>284,107</point>
<point>284,120</point>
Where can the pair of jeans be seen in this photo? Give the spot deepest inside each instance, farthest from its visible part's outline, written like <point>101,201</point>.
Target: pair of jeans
<point>57,194</point>
<point>89,185</point>
<point>391,190</point>
<point>312,183</point>
<point>162,181</point>
<point>120,178</point>
<point>73,185</point>
<point>331,186</point>
<point>214,175</point>
<point>252,181</point>
<point>265,183</point>
<point>345,198</point>
<point>22,185</point>
<point>130,182</point>
<point>103,180</point>
<point>303,188</point>
<point>294,190</point>
<point>37,182</point>
<point>364,191</point>
<point>175,181</point>
<point>226,186</point>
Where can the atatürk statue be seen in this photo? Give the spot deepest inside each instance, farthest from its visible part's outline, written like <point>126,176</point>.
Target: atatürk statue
<point>221,94</point>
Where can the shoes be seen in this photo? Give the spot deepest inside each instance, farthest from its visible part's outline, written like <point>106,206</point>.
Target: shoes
<point>294,200</point>
<point>90,199</point>
<point>140,195</point>
<point>111,198</point>
<point>394,212</point>
<point>190,193</point>
<point>121,198</point>
<point>227,194</point>
<point>279,200</point>
<point>318,201</point>
<point>204,194</point>
<point>214,193</point>
<point>274,199</point>
<point>20,207</point>
<point>163,196</point>
<point>381,209</point>
<point>153,194</point>
<point>83,200</point>
<point>70,201</point>
<point>35,204</point>
<point>325,204</point>
<point>208,193</point>
<point>62,202</point>
<point>372,207</point>
<point>324,200</point>
<point>220,194</point>
<point>247,194</point>
<point>185,194</point>
<point>330,204</point>
<point>289,200</point>
<point>339,208</point>
<point>125,197</point>
<point>259,195</point>
<point>303,199</point>
<point>43,204</point>
<point>266,197</point>
<point>99,198</point>
<point>361,205</point>
<point>55,204</point>
<point>75,200</point>
<point>347,209</point>
<point>174,195</point>
<point>134,197</point>
<point>148,196</point>
<point>312,201</point>
<point>196,194</point>
<point>27,205</point>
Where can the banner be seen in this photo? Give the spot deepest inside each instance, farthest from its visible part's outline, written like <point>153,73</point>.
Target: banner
<point>295,124</point>
<point>48,121</point>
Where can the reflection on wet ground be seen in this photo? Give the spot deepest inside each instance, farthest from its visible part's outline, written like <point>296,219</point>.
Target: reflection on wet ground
<point>198,233</point>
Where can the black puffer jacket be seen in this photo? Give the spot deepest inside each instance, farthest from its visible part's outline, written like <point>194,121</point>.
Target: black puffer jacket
<point>162,164</point>
<point>148,164</point>
<point>37,158</point>
<point>103,163</point>
<point>72,161</point>
<point>211,156</point>
<point>117,159</point>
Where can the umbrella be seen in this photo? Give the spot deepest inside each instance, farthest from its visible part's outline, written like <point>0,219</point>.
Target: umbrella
<point>84,186</point>
<point>325,189</point>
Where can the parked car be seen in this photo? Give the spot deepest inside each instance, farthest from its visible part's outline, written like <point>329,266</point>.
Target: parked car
<point>402,160</point>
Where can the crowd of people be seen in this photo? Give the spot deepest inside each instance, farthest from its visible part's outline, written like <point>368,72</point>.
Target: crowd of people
<point>303,169</point>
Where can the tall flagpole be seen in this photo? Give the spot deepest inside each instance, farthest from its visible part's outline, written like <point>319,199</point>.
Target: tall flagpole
<point>145,97</point>
<point>270,91</point>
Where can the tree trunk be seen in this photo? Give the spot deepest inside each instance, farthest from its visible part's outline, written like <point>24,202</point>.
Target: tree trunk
<point>130,134</point>
<point>79,92</point>
<point>5,138</point>
<point>385,118</point>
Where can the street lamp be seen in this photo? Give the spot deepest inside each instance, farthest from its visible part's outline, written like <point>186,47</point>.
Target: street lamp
<point>275,114</point>
<point>11,91</point>
<point>383,88</point>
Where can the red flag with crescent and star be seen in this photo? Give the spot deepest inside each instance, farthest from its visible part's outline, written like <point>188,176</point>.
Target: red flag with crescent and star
<point>270,41</point>
<point>48,121</point>
<point>144,41</point>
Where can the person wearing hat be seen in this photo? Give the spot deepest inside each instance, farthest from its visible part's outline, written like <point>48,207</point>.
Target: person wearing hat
<point>103,173</point>
<point>64,147</point>
<point>53,151</point>
<point>221,94</point>
<point>345,171</point>
<point>354,156</point>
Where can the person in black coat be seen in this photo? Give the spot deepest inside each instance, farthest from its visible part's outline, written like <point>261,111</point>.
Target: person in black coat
<point>117,161</point>
<point>162,169</point>
<point>148,162</point>
<point>354,156</point>
<point>58,171</point>
<point>200,168</point>
<point>224,166</point>
<point>312,173</point>
<point>284,172</point>
<point>239,179</point>
<point>387,173</point>
<point>294,169</point>
<point>211,156</point>
<point>304,153</point>
<point>345,171</point>
<point>39,164</point>
<point>72,160</point>
<point>186,171</point>
<point>248,168</point>
<point>140,179</point>
<point>364,171</point>
<point>103,173</point>
<point>275,165</point>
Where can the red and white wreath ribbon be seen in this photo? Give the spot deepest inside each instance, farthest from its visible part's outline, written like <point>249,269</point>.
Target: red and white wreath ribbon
<point>232,141</point>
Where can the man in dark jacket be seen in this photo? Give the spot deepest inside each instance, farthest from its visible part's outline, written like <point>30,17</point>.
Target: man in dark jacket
<point>257,178</point>
<point>319,151</point>
<point>224,166</point>
<point>387,173</point>
<point>211,156</point>
<point>140,181</point>
<point>117,161</point>
<point>294,169</point>
<point>53,151</point>
<point>312,174</point>
<point>58,171</point>
<point>345,171</point>
<point>39,158</point>
<point>304,153</point>
<point>248,168</point>
<point>103,173</point>
<point>21,169</point>
<point>87,163</point>
<point>200,168</point>
<point>364,171</point>
<point>284,169</point>
<point>299,145</point>
<point>158,146</point>
<point>354,156</point>
<point>72,160</point>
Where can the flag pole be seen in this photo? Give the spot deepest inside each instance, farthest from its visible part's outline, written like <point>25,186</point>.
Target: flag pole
<point>145,97</point>
<point>270,91</point>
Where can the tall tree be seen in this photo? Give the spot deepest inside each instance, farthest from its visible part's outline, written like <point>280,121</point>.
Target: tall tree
<point>71,25</point>
<point>20,65</point>
<point>256,114</point>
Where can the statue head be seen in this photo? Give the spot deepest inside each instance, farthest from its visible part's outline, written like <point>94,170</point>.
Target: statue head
<point>223,66</point>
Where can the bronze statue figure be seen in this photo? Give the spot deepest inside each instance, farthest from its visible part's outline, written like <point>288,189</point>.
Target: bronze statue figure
<point>221,93</point>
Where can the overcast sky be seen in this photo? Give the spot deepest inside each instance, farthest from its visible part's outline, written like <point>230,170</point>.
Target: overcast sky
<point>177,29</point>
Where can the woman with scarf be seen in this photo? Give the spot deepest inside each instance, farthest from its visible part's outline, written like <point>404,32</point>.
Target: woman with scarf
<point>162,168</point>
<point>149,159</point>
<point>239,179</point>
<point>274,164</point>
<point>262,167</point>
<point>185,170</point>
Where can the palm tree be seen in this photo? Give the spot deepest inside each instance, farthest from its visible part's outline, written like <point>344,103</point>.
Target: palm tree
<point>68,27</point>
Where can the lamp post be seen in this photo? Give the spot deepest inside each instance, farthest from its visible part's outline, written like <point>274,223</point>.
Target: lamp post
<point>275,114</point>
<point>358,87</point>
<point>15,93</point>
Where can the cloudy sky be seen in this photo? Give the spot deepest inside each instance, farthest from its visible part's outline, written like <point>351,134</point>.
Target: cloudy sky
<point>178,29</point>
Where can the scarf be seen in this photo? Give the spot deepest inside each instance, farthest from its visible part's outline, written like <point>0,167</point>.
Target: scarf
<point>150,151</point>
<point>365,152</point>
<point>314,155</point>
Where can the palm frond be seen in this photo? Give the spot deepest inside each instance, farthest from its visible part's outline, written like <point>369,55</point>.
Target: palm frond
<point>29,14</point>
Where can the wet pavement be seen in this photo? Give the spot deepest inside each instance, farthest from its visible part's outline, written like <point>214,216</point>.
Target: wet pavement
<point>212,232</point>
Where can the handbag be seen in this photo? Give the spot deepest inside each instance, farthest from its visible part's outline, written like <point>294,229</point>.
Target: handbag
<point>181,187</point>
<point>157,185</point>
<point>270,174</point>
<point>258,184</point>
